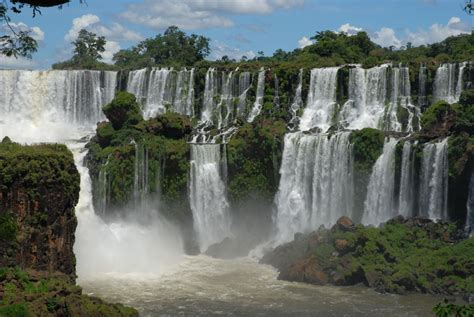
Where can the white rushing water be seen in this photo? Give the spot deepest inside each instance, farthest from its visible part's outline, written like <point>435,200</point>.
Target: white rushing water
<point>163,89</point>
<point>448,86</point>
<point>207,195</point>
<point>470,207</point>
<point>379,205</point>
<point>367,96</point>
<point>321,103</point>
<point>257,105</point>
<point>316,183</point>
<point>406,198</point>
<point>434,181</point>
<point>60,100</point>
<point>297,103</point>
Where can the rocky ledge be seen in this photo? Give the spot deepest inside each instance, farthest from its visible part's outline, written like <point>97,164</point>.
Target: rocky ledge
<point>39,188</point>
<point>403,255</point>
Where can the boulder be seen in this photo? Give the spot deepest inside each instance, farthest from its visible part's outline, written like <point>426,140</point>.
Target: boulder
<point>345,224</point>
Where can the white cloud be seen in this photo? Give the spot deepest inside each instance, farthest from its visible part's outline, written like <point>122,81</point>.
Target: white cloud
<point>198,14</point>
<point>220,49</point>
<point>111,47</point>
<point>17,63</point>
<point>80,23</point>
<point>35,31</point>
<point>114,35</point>
<point>386,37</point>
<point>438,32</point>
<point>349,29</point>
<point>304,41</point>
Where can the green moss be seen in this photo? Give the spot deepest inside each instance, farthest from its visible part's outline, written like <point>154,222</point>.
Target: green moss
<point>8,228</point>
<point>436,114</point>
<point>123,110</point>
<point>367,147</point>
<point>14,310</point>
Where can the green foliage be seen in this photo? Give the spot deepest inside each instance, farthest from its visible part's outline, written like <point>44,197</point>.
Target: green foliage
<point>172,48</point>
<point>39,168</point>
<point>367,147</point>
<point>436,114</point>
<point>123,110</point>
<point>88,46</point>
<point>447,309</point>
<point>51,295</point>
<point>8,228</point>
<point>253,159</point>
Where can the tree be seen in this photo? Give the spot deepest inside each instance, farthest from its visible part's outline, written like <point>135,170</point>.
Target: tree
<point>88,46</point>
<point>469,7</point>
<point>20,43</point>
<point>173,47</point>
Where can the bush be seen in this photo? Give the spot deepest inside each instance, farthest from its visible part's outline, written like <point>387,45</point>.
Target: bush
<point>123,110</point>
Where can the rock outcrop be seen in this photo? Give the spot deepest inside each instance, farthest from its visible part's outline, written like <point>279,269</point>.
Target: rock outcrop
<point>402,256</point>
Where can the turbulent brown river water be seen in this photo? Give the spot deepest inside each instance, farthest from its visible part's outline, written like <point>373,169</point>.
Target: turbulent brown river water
<point>203,286</point>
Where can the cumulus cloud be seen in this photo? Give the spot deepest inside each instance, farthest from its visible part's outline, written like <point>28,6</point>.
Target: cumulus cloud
<point>199,14</point>
<point>114,33</point>
<point>304,41</point>
<point>35,31</point>
<point>349,29</point>
<point>438,32</point>
<point>220,49</point>
<point>386,37</point>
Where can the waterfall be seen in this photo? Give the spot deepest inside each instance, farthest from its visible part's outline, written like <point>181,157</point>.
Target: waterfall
<point>140,175</point>
<point>184,92</point>
<point>321,102</point>
<point>400,97</point>
<point>367,97</point>
<point>470,207</point>
<point>210,90</point>
<point>297,103</point>
<point>379,205</point>
<point>226,104</point>
<point>446,86</point>
<point>103,190</point>
<point>162,89</point>
<point>244,86</point>
<point>407,182</point>
<point>316,186</point>
<point>257,106</point>
<point>59,97</point>
<point>434,181</point>
<point>422,78</point>
<point>207,195</point>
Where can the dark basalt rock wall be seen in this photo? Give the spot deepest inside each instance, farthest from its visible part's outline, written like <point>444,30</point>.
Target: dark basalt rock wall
<point>39,188</point>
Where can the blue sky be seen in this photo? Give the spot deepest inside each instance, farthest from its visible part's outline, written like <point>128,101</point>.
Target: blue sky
<point>238,28</point>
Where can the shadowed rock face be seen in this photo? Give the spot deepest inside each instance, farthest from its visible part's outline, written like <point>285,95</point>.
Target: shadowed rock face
<point>39,188</point>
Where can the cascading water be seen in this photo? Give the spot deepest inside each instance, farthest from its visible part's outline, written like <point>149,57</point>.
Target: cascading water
<point>163,89</point>
<point>316,183</point>
<point>57,98</point>
<point>140,177</point>
<point>321,101</point>
<point>446,86</point>
<point>257,106</point>
<point>380,201</point>
<point>296,104</point>
<point>103,190</point>
<point>406,206</point>
<point>207,195</point>
<point>470,207</point>
<point>434,181</point>
<point>422,78</point>
<point>367,97</point>
<point>400,97</point>
<point>244,86</point>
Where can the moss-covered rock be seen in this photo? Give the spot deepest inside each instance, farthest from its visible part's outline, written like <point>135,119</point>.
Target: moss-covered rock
<point>402,256</point>
<point>123,110</point>
<point>39,188</point>
<point>34,293</point>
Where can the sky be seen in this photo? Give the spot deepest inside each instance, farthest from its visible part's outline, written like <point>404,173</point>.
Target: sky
<point>236,27</point>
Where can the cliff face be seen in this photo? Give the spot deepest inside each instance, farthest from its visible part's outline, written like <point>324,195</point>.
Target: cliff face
<point>39,187</point>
